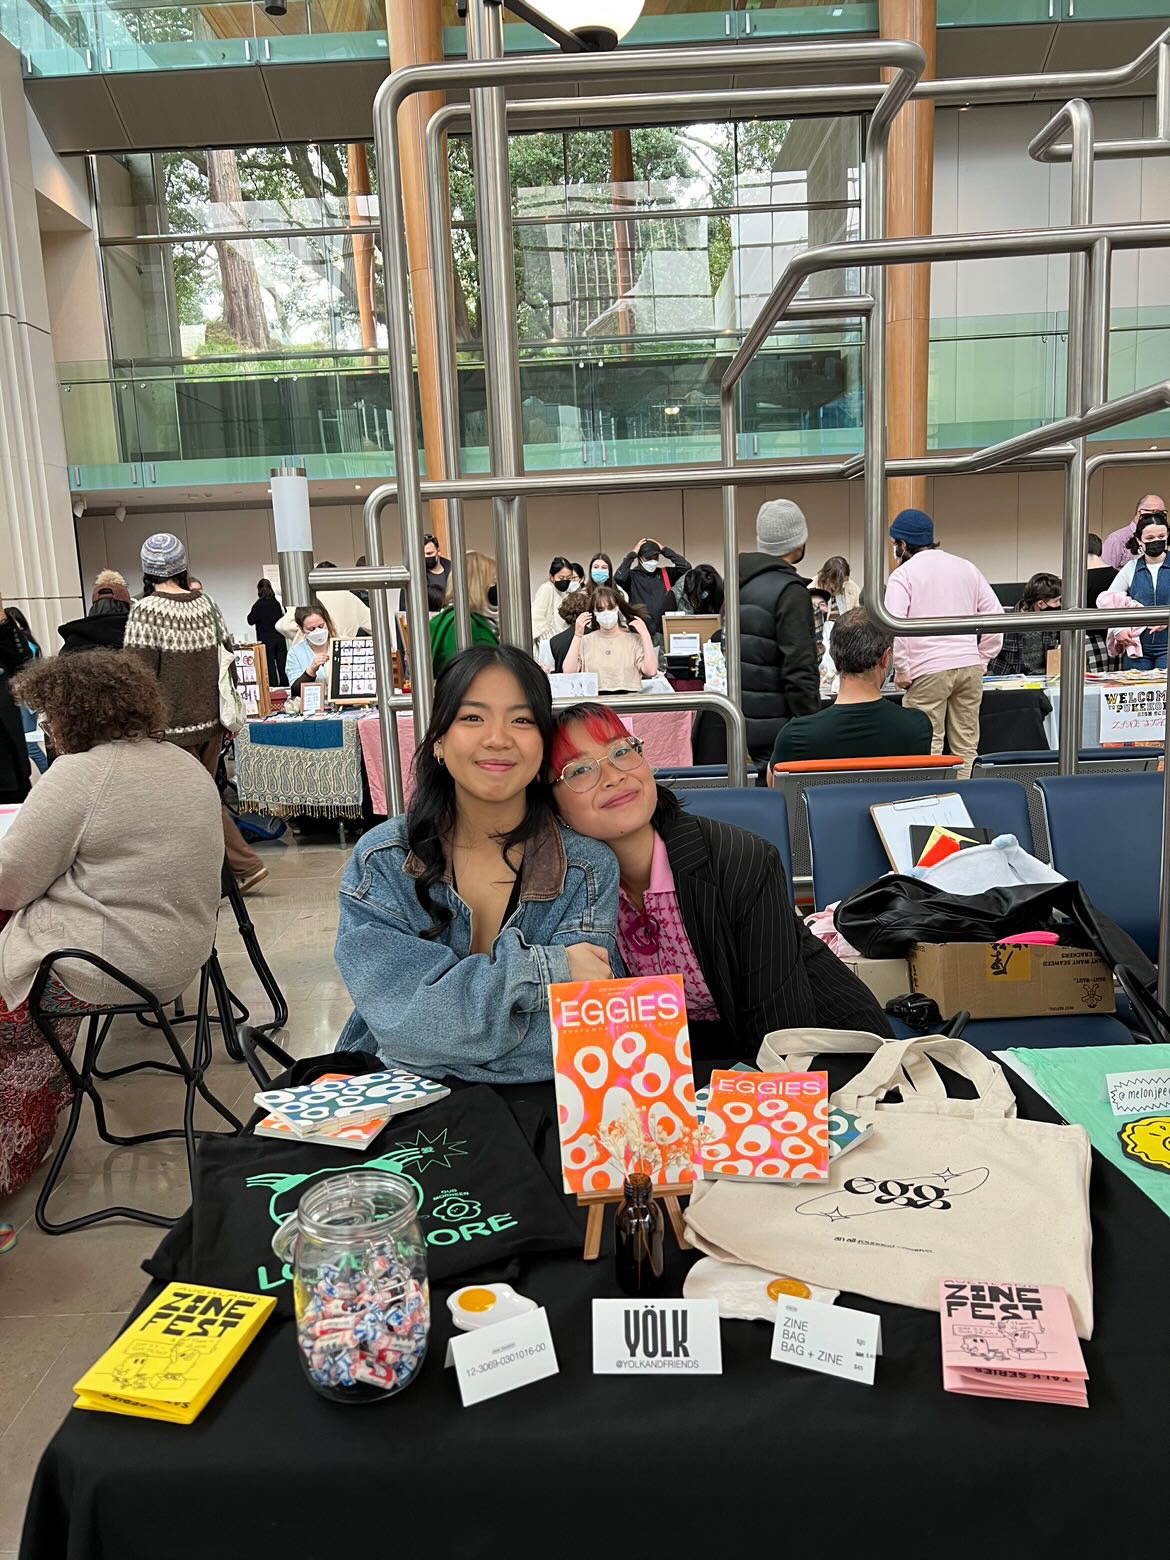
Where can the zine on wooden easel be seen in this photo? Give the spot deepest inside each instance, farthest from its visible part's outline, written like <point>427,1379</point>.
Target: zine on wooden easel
<point>625,1091</point>
<point>597,1202</point>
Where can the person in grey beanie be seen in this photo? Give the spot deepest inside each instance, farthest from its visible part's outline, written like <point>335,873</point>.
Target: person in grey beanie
<point>778,654</point>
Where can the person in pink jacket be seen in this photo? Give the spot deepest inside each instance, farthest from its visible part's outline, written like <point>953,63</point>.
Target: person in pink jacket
<point>942,674</point>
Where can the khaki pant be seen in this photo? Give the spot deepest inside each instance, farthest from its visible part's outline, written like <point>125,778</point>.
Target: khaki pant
<point>951,700</point>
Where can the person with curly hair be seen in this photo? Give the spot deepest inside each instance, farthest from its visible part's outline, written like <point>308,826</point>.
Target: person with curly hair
<point>81,868</point>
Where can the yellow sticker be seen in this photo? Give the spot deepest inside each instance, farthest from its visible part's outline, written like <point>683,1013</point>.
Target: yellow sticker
<point>788,1286</point>
<point>1148,1140</point>
<point>1003,961</point>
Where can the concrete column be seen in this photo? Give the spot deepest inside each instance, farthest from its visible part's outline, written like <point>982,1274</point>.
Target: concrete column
<point>38,554</point>
<point>415,34</point>
<point>911,192</point>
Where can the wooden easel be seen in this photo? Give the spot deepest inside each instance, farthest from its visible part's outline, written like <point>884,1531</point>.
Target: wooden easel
<point>596,1202</point>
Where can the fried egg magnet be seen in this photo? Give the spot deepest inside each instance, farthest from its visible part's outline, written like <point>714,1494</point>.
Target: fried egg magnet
<point>482,1305</point>
<point>747,1293</point>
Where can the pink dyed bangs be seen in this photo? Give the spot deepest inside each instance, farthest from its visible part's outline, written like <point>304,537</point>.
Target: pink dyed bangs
<point>601,723</point>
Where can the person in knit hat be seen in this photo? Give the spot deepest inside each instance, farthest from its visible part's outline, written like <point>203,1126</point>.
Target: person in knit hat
<point>778,654</point>
<point>178,632</point>
<point>943,674</point>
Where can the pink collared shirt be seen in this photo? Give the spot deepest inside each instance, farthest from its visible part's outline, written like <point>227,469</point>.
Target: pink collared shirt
<point>937,584</point>
<point>1114,552</point>
<point>654,941</point>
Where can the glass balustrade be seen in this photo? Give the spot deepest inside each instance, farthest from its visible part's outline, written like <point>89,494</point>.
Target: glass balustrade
<point>657,405</point>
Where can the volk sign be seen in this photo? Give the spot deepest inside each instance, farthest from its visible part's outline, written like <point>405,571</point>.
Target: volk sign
<point>656,1338</point>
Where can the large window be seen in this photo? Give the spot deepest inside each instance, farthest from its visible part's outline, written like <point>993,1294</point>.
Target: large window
<point>247,314</point>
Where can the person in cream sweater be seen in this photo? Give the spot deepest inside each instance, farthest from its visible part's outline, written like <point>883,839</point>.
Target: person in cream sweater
<point>118,850</point>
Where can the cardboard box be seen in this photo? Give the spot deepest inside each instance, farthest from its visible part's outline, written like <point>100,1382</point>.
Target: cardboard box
<point>998,980</point>
<point>886,978</point>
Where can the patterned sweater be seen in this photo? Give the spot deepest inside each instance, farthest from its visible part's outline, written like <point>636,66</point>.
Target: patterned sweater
<point>175,634</point>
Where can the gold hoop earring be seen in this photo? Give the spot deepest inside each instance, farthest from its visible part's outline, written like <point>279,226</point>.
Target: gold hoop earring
<point>440,760</point>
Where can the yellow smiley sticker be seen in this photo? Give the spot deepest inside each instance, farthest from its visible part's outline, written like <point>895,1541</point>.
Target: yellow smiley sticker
<point>1148,1141</point>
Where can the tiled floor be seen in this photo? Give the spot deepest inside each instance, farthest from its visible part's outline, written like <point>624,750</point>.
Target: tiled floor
<point>62,1298</point>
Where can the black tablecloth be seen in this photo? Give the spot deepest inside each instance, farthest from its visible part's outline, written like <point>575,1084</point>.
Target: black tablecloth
<point>759,1460</point>
<point>1011,720</point>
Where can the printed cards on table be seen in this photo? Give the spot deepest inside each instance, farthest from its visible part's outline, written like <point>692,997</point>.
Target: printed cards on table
<point>624,1081</point>
<point>767,1126</point>
<point>1010,1341</point>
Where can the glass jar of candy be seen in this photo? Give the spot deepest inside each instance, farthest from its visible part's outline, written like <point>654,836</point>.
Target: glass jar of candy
<point>359,1284</point>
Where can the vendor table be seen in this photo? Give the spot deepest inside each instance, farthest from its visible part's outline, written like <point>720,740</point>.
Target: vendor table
<point>764,1459</point>
<point>1092,735</point>
<point>665,735</point>
<point>293,766</point>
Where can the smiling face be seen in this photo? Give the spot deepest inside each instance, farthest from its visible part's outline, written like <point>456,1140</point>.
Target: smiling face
<point>622,801</point>
<point>493,748</point>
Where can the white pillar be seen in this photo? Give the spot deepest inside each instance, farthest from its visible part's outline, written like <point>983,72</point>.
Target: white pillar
<point>38,553</point>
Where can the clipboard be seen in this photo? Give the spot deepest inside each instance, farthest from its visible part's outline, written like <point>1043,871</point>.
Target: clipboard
<point>893,820</point>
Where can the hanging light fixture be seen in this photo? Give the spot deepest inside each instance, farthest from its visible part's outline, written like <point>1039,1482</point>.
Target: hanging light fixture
<point>596,24</point>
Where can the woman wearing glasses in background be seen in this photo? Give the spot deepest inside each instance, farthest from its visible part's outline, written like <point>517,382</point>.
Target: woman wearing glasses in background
<point>702,899</point>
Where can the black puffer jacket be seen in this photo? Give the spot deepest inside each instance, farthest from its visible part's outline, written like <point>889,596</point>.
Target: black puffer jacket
<point>94,633</point>
<point>14,763</point>
<point>778,653</point>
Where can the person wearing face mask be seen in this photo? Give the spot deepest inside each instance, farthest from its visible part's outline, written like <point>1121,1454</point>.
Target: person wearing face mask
<point>778,652</point>
<point>438,568</point>
<point>309,658</point>
<point>600,572</point>
<point>611,639</point>
<point>646,574</point>
<point>1146,581</point>
<point>942,674</point>
<point>546,603</point>
<point>1026,654</point>
<point>483,599</point>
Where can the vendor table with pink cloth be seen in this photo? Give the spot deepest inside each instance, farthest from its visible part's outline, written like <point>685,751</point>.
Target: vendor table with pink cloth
<point>665,735</point>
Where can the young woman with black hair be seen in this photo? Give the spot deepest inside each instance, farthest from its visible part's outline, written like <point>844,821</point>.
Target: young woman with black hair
<point>548,598</point>
<point>701,899</point>
<point>457,917</point>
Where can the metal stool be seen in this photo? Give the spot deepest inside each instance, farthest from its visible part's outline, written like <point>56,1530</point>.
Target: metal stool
<point>83,1078</point>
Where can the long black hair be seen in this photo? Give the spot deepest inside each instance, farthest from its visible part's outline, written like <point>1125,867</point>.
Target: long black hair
<point>430,819</point>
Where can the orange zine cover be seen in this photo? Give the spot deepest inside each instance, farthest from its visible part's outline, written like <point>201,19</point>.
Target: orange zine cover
<point>767,1127</point>
<point>625,1086</point>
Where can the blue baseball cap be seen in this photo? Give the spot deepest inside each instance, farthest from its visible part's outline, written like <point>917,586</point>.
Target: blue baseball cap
<point>914,527</point>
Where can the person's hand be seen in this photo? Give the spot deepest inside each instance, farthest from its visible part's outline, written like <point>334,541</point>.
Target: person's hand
<point>587,962</point>
<point>320,658</point>
<point>641,628</point>
<point>583,621</point>
<point>902,680</point>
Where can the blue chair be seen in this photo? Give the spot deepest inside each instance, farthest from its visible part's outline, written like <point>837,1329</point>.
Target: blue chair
<point>1036,1034</point>
<point>760,812</point>
<point>846,850</point>
<point>1106,831</point>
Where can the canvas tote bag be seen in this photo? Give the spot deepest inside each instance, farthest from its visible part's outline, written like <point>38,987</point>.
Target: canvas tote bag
<point>941,1188</point>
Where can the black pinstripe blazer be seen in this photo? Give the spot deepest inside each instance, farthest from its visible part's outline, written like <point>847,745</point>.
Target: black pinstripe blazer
<point>763,967</point>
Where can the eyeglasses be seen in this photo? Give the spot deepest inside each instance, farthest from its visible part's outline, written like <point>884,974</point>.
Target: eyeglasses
<point>582,774</point>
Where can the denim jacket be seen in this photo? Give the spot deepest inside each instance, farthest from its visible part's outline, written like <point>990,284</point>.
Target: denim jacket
<point>434,1006</point>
